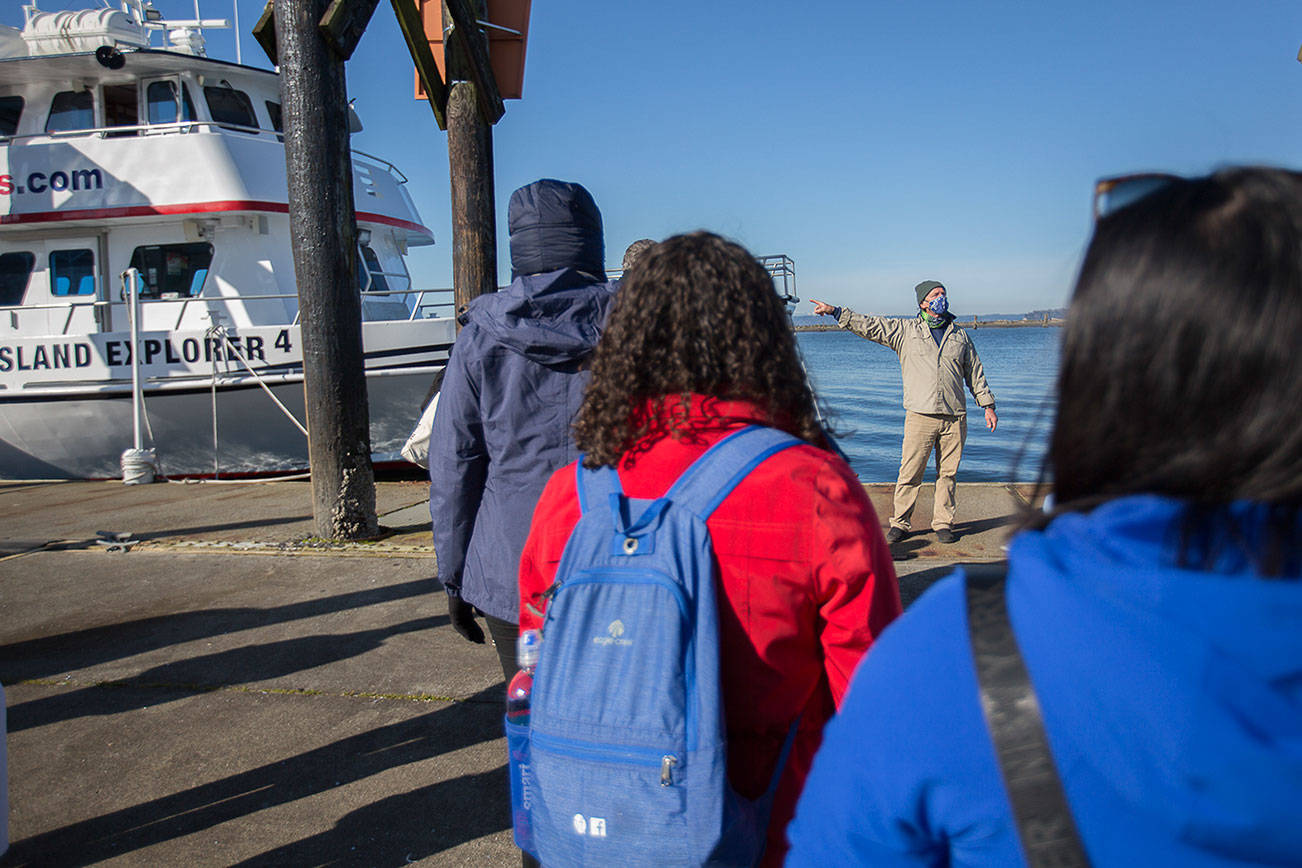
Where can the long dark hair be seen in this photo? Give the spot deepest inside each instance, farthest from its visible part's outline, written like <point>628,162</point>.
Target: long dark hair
<point>696,313</point>
<point>1181,363</point>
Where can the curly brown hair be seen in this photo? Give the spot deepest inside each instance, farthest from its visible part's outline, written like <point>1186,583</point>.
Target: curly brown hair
<point>696,314</point>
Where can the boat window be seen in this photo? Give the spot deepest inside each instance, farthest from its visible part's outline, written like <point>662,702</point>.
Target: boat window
<point>71,110</point>
<point>121,107</point>
<point>230,106</point>
<point>15,271</point>
<point>72,272</point>
<point>277,119</point>
<point>372,264</point>
<point>161,99</point>
<point>11,109</point>
<point>172,270</point>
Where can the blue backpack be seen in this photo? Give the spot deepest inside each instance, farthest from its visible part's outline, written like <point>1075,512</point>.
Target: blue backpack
<point>625,758</point>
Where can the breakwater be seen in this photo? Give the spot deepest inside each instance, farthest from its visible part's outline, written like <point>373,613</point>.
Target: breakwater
<point>967,324</point>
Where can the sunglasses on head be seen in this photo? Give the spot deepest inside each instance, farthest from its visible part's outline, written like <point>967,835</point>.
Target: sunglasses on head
<point>1113,194</point>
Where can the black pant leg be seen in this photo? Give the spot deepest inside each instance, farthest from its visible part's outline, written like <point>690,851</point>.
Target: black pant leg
<point>503,634</point>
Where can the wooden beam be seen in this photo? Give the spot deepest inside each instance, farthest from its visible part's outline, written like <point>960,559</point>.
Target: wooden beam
<point>265,33</point>
<point>343,24</point>
<point>467,33</point>
<point>414,32</point>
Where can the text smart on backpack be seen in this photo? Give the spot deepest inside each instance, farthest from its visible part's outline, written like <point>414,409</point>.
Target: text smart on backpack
<point>625,759</point>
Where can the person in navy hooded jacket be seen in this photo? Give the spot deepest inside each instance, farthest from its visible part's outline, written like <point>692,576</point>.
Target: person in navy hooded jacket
<point>512,385</point>
<point>1158,607</point>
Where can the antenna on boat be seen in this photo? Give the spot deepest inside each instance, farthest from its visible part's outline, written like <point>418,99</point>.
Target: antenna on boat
<point>235,7</point>
<point>199,18</point>
<point>183,36</point>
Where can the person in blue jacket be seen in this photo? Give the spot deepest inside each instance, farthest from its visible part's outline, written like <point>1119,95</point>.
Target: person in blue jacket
<point>1158,607</point>
<point>512,385</point>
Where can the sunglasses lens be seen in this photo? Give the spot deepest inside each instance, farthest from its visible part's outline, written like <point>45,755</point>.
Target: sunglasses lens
<point>1114,194</point>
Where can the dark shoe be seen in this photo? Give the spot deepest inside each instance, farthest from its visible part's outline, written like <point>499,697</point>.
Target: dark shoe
<point>946,535</point>
<point>894,535</point>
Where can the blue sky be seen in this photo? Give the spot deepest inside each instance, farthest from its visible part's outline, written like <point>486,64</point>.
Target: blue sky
<point>876,143</point>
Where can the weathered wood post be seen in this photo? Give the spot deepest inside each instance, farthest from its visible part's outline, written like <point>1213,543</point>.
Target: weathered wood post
<point>323,232</point>
<point>470,156</point>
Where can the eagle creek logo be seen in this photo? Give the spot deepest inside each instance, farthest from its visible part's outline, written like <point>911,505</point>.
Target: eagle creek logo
<point>616,637</point>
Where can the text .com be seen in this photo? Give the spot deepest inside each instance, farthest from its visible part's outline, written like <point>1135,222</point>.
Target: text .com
<point>58,181</point>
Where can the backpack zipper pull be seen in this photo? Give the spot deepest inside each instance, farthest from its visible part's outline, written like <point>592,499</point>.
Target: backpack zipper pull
<point>545,598</point>
<point>667,764</point>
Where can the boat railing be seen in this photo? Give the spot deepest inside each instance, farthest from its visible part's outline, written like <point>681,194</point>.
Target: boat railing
<point>427,304</point>
<point>779,266</point>
<point>400,278</point>
<point>184,127</point>
<point>783,271</point>
<point>133,129</point>
<point>382,163</point>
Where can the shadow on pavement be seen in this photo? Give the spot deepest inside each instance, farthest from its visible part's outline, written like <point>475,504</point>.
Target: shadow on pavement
<point>205,529</point>
<point>914,585</point>
<point>423,821</point>
<point>964,528</point>
<point>80,649</point>
<point>430,820</point>
<point>175,680</point>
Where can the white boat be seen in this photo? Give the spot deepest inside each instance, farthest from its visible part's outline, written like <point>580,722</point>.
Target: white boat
<point>115,155</point>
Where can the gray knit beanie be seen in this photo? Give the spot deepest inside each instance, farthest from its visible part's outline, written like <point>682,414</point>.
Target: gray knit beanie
<point>922,289</point>
<point>635,250</point>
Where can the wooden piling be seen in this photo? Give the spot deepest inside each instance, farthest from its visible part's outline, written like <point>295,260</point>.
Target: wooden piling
<point>323,233</point>
<point>470,159</point>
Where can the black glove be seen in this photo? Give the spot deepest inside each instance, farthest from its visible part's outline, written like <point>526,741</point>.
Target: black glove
<point>462,615</point>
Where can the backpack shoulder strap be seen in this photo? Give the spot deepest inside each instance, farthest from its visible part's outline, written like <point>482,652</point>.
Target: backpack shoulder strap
<point>712,477</point>
<point>595,486</point>
<point>1012,712</point>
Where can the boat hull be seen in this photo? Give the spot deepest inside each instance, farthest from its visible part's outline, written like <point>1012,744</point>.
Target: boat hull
<point>83,437</point>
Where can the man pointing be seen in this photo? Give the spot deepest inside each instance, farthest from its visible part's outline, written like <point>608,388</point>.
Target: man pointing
<point>936,359</point>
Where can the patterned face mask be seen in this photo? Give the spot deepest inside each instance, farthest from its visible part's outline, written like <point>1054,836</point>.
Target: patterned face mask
<point>938,306</point>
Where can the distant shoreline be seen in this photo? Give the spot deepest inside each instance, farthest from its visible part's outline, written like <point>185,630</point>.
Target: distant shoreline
<point>979,324</point>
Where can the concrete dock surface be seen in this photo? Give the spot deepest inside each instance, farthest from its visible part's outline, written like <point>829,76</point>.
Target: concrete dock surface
<point>192,678</point>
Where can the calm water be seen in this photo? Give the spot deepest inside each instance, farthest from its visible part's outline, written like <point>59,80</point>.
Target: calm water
<point>859,382</point>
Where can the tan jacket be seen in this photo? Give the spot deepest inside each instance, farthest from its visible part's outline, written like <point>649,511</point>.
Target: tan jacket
<point>933,375</point>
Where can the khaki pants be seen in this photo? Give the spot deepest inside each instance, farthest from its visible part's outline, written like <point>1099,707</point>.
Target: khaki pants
<point>921,433</point>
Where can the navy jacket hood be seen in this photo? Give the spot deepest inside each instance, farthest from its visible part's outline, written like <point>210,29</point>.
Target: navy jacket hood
<point>555,225</point>
<point>550,319</point>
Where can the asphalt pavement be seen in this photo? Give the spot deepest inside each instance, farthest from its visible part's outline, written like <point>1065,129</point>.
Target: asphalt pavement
<point>193,678</point>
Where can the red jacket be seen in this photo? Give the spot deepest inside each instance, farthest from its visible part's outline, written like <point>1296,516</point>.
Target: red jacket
<point>807,584</point>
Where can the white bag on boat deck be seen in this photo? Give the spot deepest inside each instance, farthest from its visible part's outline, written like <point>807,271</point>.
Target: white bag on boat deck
<point>416,449</point>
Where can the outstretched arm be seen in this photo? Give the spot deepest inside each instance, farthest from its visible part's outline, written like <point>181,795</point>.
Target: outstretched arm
<point>878,329</point>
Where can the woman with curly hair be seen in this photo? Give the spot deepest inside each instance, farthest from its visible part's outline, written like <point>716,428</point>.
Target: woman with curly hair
<point>698,346</point>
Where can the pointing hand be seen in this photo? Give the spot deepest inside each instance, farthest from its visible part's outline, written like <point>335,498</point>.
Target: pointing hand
<point>822,308</point>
